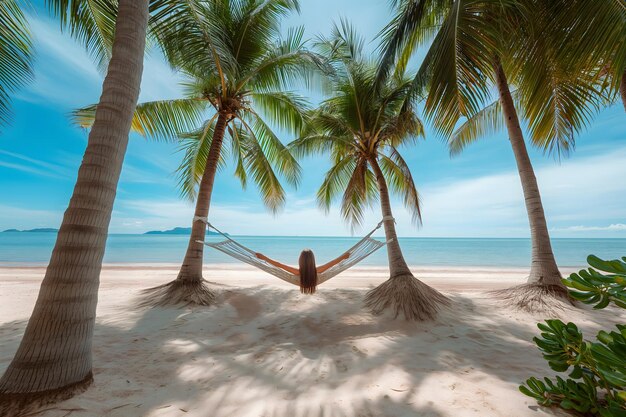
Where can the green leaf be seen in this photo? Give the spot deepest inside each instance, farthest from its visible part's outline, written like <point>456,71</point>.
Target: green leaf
<point>603,303</point>
<point>577,373</point>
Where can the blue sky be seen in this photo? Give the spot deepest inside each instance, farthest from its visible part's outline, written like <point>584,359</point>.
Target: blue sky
<point>475,194</point>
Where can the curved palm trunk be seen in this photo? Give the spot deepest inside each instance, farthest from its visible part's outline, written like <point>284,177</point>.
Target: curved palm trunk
<point>189,286</point>
<point>544,271</point>
<point>397,264</point>
<point>402,292</point>
<point>54,358</point>
<point>191,270</point>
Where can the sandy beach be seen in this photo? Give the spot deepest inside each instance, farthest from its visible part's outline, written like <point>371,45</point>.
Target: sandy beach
<point>265,350</point>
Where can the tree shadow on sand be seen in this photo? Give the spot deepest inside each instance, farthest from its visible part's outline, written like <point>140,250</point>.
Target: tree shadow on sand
<point>273,352</point>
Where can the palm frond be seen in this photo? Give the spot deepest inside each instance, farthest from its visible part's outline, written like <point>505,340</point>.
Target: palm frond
<point>458,66</point>
<point>414,23</point>
<point>595,42</point>
<point>285,109</point>
<point>157,120</point>
<point>401,127</point>
<point>485,122</point>
<point>399,177</point>
<point>259,167</point>
<point>557,112</point>
<point>255,25</point>
<point>91,22</point>
<point>193,38</point>
<point>286,62</point>
<point>16,50</point>
<point>316,143</point>
<point>334,123</point>
<point>335,182</point>
<point>359,194</point>
<point>558,97</point>
<point>238,151</point>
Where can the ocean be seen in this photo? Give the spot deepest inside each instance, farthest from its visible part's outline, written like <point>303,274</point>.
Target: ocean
<point>35,248</point>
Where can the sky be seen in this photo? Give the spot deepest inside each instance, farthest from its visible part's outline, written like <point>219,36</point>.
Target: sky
<point>475,194</point>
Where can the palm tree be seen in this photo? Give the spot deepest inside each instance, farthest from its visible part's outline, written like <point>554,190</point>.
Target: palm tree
<point>235,66</point>
<point>476,43</point>
<point>15,54</point>
<point>54,358</point>
<point>363,127</point>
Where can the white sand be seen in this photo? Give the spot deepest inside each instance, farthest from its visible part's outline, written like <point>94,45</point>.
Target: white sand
<point>266,350</point>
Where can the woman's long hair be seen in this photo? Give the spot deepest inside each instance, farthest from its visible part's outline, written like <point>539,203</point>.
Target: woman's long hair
<point>308,272</point>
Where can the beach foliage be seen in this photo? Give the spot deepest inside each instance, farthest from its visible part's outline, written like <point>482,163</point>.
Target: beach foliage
<point>596,383</point>
<point>16,51</point>
<point>591,286</point>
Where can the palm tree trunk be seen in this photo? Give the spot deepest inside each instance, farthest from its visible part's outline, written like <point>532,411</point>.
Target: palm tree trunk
<point>191,270</point>
<point>622,89</point>
<point>397,264</point>
<point>544,271</point>
<point>54,358</point>
<point>402,292</point>
<point>189,287</point>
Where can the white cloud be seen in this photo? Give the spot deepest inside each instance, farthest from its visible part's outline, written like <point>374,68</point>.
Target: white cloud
<point>581,189</point>
<point>587,189</point>
<point>33,166</point>
<point>137,216</point>
<point>581,197</point>
<point>580,228</point>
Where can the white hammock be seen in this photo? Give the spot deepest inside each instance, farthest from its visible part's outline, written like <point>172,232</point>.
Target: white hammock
<point>361,250</point>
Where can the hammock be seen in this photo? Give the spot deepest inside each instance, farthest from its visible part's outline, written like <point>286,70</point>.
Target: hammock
<point>361,250</point>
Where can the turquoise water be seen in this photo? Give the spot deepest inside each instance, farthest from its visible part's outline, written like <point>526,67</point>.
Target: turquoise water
<point>26,248</point>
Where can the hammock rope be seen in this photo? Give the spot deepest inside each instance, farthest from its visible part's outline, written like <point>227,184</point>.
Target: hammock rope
<point>361,250</point>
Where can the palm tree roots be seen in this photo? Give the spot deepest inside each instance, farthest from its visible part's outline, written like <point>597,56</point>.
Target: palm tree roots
<point>407,295</point>
<point>536,298</point>
<point>179,292</point>
<point>27,404</point>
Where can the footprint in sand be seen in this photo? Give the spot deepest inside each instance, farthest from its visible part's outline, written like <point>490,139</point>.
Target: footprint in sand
<point>359,352</point>
<point>341,367</point>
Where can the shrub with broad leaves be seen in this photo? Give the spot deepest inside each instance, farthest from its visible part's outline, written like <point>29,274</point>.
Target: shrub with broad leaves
<point>596,380</point>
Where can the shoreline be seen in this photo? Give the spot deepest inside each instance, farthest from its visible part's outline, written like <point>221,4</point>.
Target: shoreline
<point>242,266</point>
<point>240,276</point>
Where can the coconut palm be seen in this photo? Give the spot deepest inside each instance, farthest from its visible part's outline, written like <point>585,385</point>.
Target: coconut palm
<point>237,67</point>
<point>362,128</point>
<point>476,43</point>
<point>15,54</point>
<point>54,357</point>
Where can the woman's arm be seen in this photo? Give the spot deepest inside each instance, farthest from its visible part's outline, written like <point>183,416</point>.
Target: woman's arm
<point>287,268</point>
<point>332,263</point>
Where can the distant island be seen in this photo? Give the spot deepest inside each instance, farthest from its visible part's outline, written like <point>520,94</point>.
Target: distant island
<point>177,231</point>
<point>41,230</point>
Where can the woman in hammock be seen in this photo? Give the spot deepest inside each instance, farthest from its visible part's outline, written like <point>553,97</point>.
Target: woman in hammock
<point>307,270</point>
